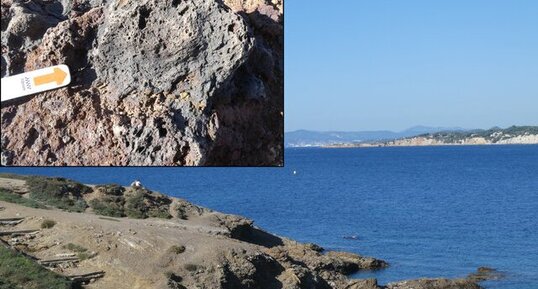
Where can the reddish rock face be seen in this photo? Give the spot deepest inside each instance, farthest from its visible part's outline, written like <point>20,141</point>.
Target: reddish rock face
<point>154,83</point>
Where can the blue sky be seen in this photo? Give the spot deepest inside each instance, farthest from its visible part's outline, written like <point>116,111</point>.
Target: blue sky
<point>379,64</point>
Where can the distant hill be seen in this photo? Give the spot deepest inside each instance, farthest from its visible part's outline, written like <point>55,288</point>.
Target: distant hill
<point>307,138</point>
<point>496,135</point>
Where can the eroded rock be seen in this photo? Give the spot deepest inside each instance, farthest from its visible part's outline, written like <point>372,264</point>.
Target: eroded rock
<point>439,283</point>
<point>176,47</point>
<point>485,273</point>
<point>154,82</point>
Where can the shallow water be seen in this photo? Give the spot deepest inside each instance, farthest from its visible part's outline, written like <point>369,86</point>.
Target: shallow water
<point>428,211</point>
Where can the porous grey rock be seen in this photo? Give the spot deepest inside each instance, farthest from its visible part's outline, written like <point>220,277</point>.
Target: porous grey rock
<point>23,26</point>
<point>187,46</point>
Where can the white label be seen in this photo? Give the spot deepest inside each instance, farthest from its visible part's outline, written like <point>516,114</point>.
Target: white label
<point>35,81</point>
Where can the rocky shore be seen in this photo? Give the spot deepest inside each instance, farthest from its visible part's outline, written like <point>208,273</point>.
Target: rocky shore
<point>131,237</point>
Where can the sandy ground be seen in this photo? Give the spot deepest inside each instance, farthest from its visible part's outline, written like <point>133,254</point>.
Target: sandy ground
<point>18,186</point>
<point>128,250</point>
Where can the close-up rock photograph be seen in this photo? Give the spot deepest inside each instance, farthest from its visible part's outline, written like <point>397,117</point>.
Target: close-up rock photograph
<point>153,83</point>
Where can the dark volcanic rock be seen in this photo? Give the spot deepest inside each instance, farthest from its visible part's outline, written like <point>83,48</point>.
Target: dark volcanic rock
<point>154,82</point>
<point>348,263</point>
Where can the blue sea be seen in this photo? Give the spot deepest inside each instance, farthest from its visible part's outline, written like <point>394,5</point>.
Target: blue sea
<point>428,211</point>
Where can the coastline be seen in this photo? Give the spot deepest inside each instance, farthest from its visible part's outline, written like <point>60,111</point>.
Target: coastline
<point>421,145</point>
<point>193,247</point>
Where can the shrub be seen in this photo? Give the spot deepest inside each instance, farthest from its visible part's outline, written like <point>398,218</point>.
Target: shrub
<point>138,203</point>
<point>135,206</point>
<point>82,253</point>
<point>191,267</point>
<point>75,248</point>
<point>176,249</point>
<point>111,189</point>
<point>159,213</point>
<point>111,206</point>
<point>12,197</point>
<point>58,192</point>
<point>84,256</point>
<point>47,224</point>
<point>17,271</point>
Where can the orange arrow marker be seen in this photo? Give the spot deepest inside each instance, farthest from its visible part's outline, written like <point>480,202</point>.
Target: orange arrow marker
<point>36,81</point>
<point>57,75</point>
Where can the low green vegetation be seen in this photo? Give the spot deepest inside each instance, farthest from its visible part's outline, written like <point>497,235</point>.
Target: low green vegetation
<point>111,189</point>
<point>47,224</point>
<point>11,197</point>
<point>137,204</point>
<point>58,192</point>
<point>111,206</point>
<point>45,191</point>
<point>75,248</point>
<point>19,272</point>
<point>156,206</point>
<point>82,252</point>
<point>191,267</point>
<point>176,249</point>
<point>83,256</point>
<point>113,200</point>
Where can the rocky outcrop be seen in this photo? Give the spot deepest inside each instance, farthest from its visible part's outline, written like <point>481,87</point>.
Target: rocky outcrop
<point>485,273</point>
<point>184,210</point>
<point>154,82</point>
<point>470,282</point>
<point>439,283</point>
<point>329,266</point>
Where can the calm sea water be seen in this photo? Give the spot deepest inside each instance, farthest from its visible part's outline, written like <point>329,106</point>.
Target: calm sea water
<point>428,211</point>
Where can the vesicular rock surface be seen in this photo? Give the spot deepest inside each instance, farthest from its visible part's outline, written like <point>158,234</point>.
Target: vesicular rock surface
<point>176,82</point>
